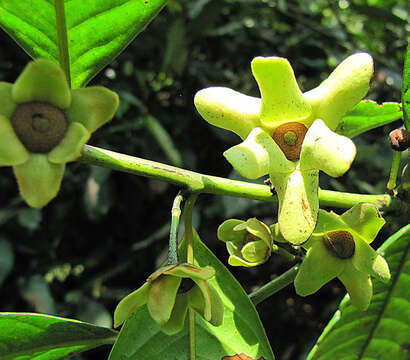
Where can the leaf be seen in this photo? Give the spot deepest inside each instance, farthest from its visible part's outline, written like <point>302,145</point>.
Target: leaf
<point>6,259</point>
<point>383,331</point>
<point>44,337</point>
<point>405,91</point>
<point>98,31</point>
<point>241,331</point>
<point>368,115</point>
<point>30,218</point>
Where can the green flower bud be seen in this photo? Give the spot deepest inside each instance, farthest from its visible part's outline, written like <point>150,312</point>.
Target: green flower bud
<point>169,292</point>
<point>249,243</point>
<point>44,125</point>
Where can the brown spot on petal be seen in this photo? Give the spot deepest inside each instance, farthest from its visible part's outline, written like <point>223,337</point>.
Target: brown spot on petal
<point>241,356</point>
<point>340,243</point>
<point>281,135</point>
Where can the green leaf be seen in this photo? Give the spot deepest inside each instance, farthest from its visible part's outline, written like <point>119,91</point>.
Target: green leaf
<point>241,331</point>
<point>405,90</point>
<point>44,337</point>
<point>98,31</point>
<point>383,331</point>
<point>368,115</point>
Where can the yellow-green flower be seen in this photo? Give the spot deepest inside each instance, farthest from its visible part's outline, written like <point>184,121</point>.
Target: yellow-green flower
<point>249,243</point>
<point>44,124</point>
<point>289,134</point>
<point>339,247</point>
<point>169,292</point>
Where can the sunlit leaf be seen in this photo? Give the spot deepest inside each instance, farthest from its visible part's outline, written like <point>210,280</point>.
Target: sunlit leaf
<point>43,337</point>
<point>405,91</point>
<point>98,30</point>
<point>368,115</point>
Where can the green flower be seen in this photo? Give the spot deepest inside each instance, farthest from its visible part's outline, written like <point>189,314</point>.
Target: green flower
<point>289,134</point>
<point>249,243</point>
<point>169,292</point>
<point>339,247</point>
<point>44,124</point>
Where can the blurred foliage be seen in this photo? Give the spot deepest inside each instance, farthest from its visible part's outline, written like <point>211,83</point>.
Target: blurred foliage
<point>106,230</point>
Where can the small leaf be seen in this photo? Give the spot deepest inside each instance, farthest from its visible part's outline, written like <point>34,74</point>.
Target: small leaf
<point>383,331</point>
<point>241,331</point>
<point>98,31</point>
<point>37,336</point>
<point>368,115</point>
<point>405,91</point>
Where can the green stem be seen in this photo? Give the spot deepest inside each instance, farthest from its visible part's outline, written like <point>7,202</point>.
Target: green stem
<point>394,170</point>
<point>274,286</point>
<point>173,241</point>
<point>189,238</point>
<point>64,56</point>
<point>196,182</point>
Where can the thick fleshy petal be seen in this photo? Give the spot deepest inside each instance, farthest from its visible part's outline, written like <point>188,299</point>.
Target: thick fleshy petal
<point>205,310</point>
<point>196,302</point>
<point>228,109</point>
<point>365,219</point>
<point>317,269</point>
<point>39,180</point>
<point>226,231</point>
<point>342,90</point>
<point>298,204</point>
<point>70,146</point>
<point>177,319</point>
<point>42,80</point>
<point>255,156</point>
<point>191,271</point>
<point>235,260</point>
<point>329,221</point>
<point>130,303</point>
<point>255,252</point>
<point>368,261</point>
<point>358,285</point>
<point>282,100</point>
<point>325,150</point>
<point>7,104</point>
<point>92,106</point>
<point>12,151</point>
<point>161,298</point>
<point>257,228</point>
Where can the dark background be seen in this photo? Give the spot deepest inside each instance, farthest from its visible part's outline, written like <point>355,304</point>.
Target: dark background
<point>106,231</point>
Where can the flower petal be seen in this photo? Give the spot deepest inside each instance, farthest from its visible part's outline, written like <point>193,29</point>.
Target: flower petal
<point>260,230</point>
<point>368,261</point>
<point>257,154</point>
<point>205,309</point>
<point>161,298</point>
<point>358,285</point>
<point>255,252</point>
<point>365,219</point>
<point>177,319</point>
<point>227,233</point>
<point>228,109</point>
<point>92,106</point>
<point>39,180</point>
<point>298,204</point>
<point>12,151</point>
<point>342,90</point>
<point>127,305</point>
<point>282,100</point>
<point>42,80</point>
<point>191,271</point>
<point>318,268</point>
<point>70,146</point>
<point>325,150</point>
<point>7,104</point>
<point>235,260</point>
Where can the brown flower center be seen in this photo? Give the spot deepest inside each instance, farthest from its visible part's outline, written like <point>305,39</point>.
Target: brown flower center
<point>289,138</point>
<point>340,243</point>
<point>39,126</point>
<point>186,285</point>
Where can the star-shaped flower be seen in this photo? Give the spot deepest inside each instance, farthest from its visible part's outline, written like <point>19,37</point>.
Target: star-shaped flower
<point>249,243</point>
<point>169,292</point>
<point>44,124</point>
<point>339,247</point>
<point>288,134</point>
